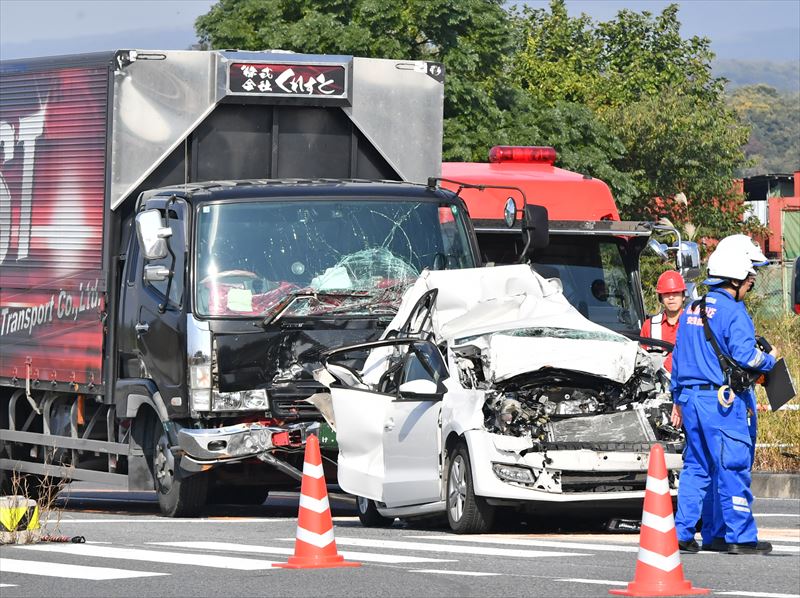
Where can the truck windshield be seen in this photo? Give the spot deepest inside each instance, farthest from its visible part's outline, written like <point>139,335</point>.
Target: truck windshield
<point>343,256</point>
<point>594,278</point>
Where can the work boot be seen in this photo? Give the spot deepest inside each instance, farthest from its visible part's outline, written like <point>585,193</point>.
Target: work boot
<point>760,547</point>
<point>716,545</point>
<point>689,545</point>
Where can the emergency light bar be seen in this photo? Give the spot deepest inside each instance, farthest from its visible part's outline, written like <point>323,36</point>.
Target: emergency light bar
<point>537,154</point>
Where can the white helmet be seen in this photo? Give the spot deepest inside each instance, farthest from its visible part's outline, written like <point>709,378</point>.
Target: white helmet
<point>747,246</point>
<point>728,263</point>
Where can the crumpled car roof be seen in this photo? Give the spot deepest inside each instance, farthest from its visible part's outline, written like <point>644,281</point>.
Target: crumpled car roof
<point>522,319</point>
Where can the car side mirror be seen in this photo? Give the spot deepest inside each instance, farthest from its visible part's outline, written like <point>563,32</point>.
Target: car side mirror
<point>422,389</point>
<point>152,234</point>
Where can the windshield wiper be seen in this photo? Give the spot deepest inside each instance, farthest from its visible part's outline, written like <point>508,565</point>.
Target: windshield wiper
<point>277,310</point>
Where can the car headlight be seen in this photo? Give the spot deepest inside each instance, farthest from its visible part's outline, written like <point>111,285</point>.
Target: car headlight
<point>239,401</point>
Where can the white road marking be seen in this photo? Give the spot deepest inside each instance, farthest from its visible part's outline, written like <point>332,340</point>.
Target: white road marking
<point>600,582</point>
<point>536,543</point>
<point>430,547</point>
<point>353,556</point>
<point>157,556</point>
<point>69,571</point>
<point>169,520</point>
<point>7,585</point>
<point>758,594</point>
<point>443,572</point>
<point>568,545</point>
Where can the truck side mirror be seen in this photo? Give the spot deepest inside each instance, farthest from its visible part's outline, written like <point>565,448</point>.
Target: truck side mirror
<point>535,229</point>
<point>689,260</point>
<point>659,249</point>
<point>152,234</point>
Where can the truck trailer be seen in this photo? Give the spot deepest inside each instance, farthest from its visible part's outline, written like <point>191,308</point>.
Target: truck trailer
<point>182,235</point>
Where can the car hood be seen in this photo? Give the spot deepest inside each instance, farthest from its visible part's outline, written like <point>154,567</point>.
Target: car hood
<point>519,321</point>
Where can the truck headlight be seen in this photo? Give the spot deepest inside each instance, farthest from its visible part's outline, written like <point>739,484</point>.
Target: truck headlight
<point>200,386</point>
<point>240,400</point>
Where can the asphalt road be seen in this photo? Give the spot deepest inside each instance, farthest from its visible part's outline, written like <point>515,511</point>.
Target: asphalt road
<point>131,551</point>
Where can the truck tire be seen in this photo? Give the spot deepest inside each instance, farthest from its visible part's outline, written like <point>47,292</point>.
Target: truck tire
<point>466,513</point>
<point>177,496</point>
<point>368,514</point>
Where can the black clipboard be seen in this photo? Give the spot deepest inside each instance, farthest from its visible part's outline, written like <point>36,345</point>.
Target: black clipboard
<point>779,385</point>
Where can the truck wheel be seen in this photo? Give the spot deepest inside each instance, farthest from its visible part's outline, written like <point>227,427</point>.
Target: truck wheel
<point>177,496</point>
<point>368,514</point>
<point>238,495</point>
<point>466,513</point>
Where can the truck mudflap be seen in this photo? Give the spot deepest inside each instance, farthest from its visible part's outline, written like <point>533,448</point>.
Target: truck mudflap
<point>203,449</point>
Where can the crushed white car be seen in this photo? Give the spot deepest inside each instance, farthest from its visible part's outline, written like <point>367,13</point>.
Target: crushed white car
<point>489,389</point>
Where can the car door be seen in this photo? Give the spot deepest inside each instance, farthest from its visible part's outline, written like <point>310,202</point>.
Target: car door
<point>388,436</point>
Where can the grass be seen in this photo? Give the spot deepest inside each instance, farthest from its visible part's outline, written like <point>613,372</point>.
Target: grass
<point>44,491</point>
<point>781,429</point>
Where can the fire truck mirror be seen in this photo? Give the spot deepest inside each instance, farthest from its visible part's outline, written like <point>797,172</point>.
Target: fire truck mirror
<point>659,249</point>
<point>535,228</point>
<point>152,234</point>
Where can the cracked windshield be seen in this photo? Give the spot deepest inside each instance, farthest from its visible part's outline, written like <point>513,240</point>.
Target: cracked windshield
<point>320,257</point>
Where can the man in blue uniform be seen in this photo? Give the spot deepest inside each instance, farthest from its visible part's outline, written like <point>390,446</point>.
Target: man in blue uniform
<point>713,530</point>
<point>718,440</point>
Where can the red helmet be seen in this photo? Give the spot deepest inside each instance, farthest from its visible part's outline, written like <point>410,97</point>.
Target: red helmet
<point>670,282</point>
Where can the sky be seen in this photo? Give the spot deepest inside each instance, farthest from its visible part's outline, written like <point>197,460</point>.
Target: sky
<point>738,29</point>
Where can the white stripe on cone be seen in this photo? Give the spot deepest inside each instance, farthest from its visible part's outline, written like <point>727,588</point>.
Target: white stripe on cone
<point>314,471</point>
<point>318,505</point>
<point>659,561</point>
<point>658,486</point>
<point>660,524</point>
<point>318,540</point>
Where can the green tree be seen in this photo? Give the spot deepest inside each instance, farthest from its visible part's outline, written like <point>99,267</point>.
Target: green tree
<point>774,144</point>
<point>470,37</point>
<point>655,93</point>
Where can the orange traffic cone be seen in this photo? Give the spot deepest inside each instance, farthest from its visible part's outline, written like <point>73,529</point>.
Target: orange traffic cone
<point>315,546</point>
<point>658,565</point>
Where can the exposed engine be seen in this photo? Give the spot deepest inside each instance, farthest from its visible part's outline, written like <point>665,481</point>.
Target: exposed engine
<point>556,405</point>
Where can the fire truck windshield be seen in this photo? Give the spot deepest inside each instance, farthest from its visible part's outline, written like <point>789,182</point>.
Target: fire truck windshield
<point>343,256</point>
<point>594,278</point>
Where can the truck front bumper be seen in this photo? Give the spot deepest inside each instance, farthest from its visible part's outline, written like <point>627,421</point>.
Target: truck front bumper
<point>206,447</point>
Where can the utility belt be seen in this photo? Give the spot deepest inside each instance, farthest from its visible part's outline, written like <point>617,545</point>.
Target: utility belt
<point>726,395</point>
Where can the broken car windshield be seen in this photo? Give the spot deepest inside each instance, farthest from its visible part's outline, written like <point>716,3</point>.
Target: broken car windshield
<point>313,257</point>
<point>547,332</point>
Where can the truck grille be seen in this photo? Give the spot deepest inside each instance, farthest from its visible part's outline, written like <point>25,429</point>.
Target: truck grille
<point>290,404</point>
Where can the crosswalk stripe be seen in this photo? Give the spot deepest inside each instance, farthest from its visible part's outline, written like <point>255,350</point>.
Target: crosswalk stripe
<point>157,556</point>
<point>536,543</point>
<point>349,555</point>
<point>63,570</point>
<point>430,547</point>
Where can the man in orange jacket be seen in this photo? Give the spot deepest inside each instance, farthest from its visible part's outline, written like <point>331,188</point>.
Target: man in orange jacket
<point>671,291</point>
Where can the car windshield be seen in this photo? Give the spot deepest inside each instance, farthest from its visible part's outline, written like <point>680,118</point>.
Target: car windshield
<point>313,257</point>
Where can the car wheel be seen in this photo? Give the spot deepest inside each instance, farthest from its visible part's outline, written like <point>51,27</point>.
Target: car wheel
<point>466,513</point>
<point>368,514</point>
<point>177,496</point>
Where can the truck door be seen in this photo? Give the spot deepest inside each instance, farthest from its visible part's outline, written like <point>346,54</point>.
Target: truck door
<point>161,323</point>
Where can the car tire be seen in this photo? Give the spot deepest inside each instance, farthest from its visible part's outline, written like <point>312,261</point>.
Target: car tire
<point>368,514</point>
<point>177,496</point>
<point>466,513</point>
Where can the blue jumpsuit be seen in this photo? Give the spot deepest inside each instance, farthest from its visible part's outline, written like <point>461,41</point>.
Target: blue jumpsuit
<point>718,439</point>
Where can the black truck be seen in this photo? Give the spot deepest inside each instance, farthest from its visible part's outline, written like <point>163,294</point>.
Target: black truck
<point>182,235</point>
